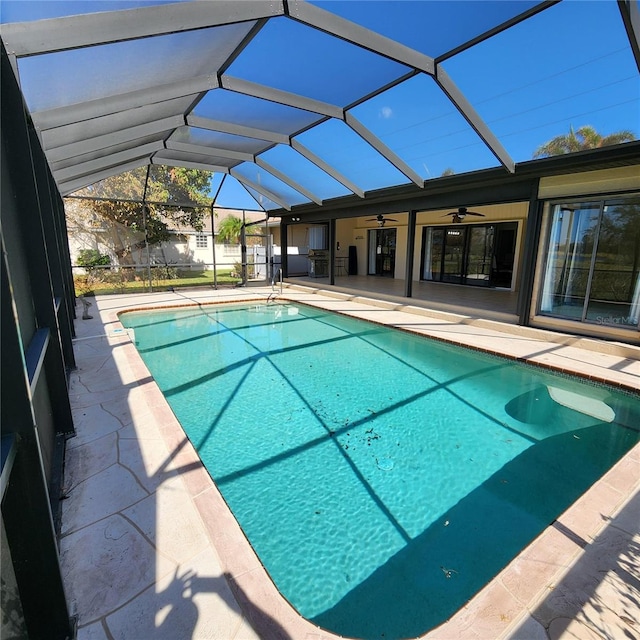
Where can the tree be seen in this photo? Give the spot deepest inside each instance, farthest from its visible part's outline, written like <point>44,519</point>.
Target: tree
<point>585,137</point>
<point>174,197</point>
<point>230,229</point>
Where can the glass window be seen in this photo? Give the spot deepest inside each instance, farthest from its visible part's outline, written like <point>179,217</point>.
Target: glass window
<point>433,244</point>
<point>614,297</point>
<point>201,241</point>
<point>592,269</point>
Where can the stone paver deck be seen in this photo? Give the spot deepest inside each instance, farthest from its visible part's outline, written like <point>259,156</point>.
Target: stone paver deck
<point>149,549</point>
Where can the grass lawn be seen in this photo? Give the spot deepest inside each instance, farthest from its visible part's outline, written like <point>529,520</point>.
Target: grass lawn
<point>115,283</point>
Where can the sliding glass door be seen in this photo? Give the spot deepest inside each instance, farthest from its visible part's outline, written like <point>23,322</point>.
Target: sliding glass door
<point>454,257</point>
<point>569,260</point>
<point>478,255</point>
<point>382,252</point>
<point>592,267</point>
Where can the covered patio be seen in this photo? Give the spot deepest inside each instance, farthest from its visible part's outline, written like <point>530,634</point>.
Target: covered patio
<point>477,302</point>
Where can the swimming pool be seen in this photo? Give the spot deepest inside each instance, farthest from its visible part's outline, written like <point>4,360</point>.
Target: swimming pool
<point>382,478</point>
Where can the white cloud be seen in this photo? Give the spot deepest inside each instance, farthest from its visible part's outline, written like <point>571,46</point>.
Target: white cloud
<point>386,112</point>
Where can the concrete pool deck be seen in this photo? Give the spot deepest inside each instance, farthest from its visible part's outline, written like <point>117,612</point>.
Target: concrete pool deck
<point>149,549</point>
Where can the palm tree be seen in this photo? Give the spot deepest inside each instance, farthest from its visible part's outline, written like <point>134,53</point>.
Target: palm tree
<point>230,229</point>
<point>585,137</point>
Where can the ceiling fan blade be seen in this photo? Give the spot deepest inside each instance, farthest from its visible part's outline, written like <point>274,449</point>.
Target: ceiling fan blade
<point>462,214</point>
<point>381,218</point>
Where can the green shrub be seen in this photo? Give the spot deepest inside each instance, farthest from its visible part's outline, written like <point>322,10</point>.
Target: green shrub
<point>92,258</point>
<point>94,262</point>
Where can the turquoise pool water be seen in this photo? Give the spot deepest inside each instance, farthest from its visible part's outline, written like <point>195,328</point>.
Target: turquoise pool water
<point>382,478</point>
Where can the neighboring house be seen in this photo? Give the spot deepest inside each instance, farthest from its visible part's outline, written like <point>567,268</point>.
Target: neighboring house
<point>187,248</point>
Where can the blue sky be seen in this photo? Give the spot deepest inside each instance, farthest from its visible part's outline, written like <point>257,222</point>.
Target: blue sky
<point>568,66</point>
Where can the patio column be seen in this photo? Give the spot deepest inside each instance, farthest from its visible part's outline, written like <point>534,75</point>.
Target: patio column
<point>411,241</point>
<point>332,251</point>
<point>530,249</point>
<point>284,263</point>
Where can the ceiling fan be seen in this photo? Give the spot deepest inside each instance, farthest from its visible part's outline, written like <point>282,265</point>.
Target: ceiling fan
<point>380,219</point>
<point>461,214</point>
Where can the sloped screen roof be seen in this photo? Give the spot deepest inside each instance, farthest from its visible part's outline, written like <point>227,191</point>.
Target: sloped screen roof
<point>301,102</point>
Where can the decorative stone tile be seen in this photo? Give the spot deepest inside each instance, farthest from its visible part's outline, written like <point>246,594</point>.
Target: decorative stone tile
<point>192,602</point>
<point>104,377</point>
<point>119,409</point>
<point>561,628</point>
<point>86,460</point>
<point>147,459</point>
<point>170,520</point>
<point>92,423</point>
<point>628,517</point>
<point>93,631</point>
<point>105,565</point>
<point>236,554</point>
<point>528,629</point>
<point>266,610</point>
<point>604,573</point>
<point>588,515</point>
<point>101,495</point>
<point>143,425</point>
<point>85,398</point>
<point>492,612</point>
<point>625,475</point>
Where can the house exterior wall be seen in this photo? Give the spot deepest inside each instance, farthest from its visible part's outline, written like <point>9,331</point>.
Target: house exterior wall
<point>590,182</point>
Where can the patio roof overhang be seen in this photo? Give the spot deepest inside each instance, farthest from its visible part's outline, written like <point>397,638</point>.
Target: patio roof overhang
<point>306,104</point>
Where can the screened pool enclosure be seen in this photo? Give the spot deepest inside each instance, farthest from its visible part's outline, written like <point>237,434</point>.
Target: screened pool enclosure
<point>291,103</point>
<point>319,118</point>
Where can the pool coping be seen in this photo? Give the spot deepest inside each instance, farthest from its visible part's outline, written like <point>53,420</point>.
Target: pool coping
<point>504,606</point>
